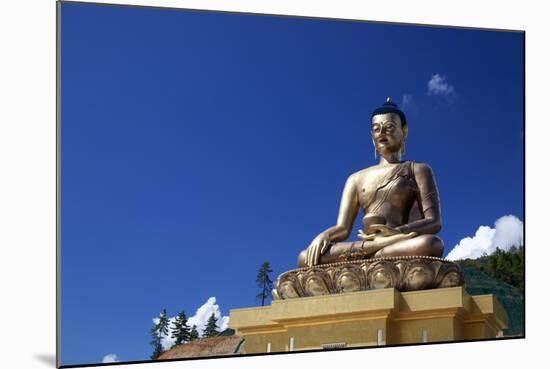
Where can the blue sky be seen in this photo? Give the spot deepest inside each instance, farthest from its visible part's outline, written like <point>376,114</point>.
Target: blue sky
<point>197,145</point>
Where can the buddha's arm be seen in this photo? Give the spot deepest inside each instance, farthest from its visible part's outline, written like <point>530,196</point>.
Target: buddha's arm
<point>428,201</point>
<point>349,206</point>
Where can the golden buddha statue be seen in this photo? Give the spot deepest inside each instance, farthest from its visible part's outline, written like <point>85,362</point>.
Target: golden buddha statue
<point>399,200</point>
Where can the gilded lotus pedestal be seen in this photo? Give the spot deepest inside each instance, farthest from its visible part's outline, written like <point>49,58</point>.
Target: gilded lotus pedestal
<point>404,273</point>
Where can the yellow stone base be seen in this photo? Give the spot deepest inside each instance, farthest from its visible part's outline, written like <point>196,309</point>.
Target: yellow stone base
<point>369,318</point>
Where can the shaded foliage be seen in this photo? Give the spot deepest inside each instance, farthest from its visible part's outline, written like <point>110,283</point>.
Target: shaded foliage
<point>155,342</point>
<point>211,330</point>
<point>507,266</point>
<point>264,282</point>
<point>501,274</point>
<point>158,331</point>
<point>504,266</point>
<point>194,334</point>
<point>180,330</point>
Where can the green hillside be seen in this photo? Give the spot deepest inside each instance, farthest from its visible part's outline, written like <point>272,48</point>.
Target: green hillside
<point>512,298</point>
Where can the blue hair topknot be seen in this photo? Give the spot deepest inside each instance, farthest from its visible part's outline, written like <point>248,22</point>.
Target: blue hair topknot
<point>390,107</point>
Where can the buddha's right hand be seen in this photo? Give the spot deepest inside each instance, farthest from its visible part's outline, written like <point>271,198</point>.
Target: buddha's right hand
<point>318,247</point>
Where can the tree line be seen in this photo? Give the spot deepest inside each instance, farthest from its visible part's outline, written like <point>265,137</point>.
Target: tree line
<point>505,266</point>
<point>181,332</point>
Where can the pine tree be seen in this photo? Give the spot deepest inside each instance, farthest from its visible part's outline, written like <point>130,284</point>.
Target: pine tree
<point>180,329</point>
<point>264,282</point>
<point>210,330</point>
<point>163,324</point>
<point>159,331</point>
<point>155,342</point>
<point>194,334</point>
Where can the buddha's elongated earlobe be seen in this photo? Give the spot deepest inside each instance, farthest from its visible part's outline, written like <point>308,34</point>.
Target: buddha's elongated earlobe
<point>402,148</point>
<point>375,150</point>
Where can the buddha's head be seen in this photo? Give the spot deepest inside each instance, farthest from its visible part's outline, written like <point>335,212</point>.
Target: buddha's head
<point>389,129</point>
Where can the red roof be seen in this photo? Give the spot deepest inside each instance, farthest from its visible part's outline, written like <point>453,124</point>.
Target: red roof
<point>213,346</point>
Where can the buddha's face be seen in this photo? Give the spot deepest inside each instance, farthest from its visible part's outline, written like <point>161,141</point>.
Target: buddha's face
<point>387,133</point>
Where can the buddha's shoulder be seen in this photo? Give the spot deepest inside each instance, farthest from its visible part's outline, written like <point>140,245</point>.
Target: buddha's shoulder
<point>417,167</point>
<point>364,173</point>
<point>422,169</point>
<point>375,168</point>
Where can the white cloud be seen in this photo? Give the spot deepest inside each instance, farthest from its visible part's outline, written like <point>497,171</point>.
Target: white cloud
<point>110,358</point>
<point>203,313</point>
<point>407,101</point>
<point>438,86</point>
<point>508,232</point>
<point>199,319</point>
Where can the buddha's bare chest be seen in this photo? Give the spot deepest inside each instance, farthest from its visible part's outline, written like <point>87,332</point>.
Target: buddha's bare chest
<point>385,184</point>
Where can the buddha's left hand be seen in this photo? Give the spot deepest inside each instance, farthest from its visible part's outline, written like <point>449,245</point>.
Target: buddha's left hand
<point>377,230</point>
<point>372,245</point>
<point>383,229</point>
